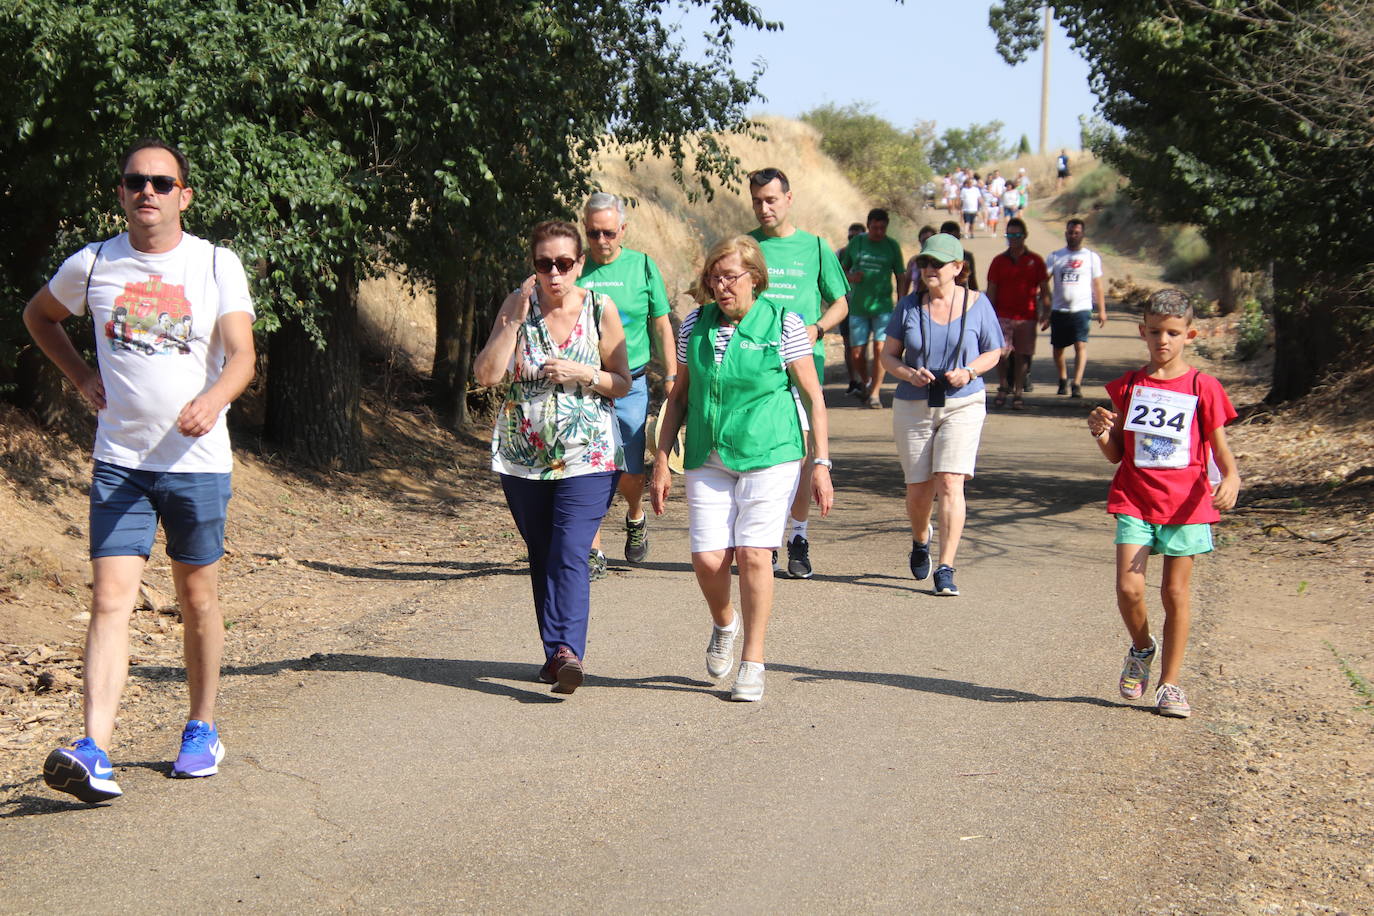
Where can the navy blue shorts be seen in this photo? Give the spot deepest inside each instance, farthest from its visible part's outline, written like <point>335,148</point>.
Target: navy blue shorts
<point>126,506</point>
<point>1069,328</point>
<point>630,412</point>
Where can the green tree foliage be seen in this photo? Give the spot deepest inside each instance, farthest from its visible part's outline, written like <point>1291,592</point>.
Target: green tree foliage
<point>971,146</point>
<point>330,138</point>
<point>1251,120</point>
<point>1023,147</point>
<point>887,164</point>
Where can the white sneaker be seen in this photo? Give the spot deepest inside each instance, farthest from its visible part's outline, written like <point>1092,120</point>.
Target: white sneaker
<point>720,651</point>
<point>748,683</point>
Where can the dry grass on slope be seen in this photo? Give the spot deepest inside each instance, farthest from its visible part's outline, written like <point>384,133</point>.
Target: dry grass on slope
<point>675,231</point>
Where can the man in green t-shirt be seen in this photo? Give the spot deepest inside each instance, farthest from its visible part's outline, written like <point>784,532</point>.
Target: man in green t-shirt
<point>805,277</point>
<point>872,260</point>
<point>632,280</point>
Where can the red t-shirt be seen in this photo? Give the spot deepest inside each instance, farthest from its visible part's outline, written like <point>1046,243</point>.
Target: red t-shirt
<point>1168,495</point>
<point>1018,284</point>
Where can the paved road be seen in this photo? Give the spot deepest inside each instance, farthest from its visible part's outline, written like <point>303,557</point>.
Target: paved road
<point>912,753</point>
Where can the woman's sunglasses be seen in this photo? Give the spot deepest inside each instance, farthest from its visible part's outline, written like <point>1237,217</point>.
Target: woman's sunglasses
<point>546,265</point>
<point>162,184</point>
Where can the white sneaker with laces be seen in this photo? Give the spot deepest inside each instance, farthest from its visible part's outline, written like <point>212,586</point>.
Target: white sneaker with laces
<point>720,650</point>
<point>748,683</point>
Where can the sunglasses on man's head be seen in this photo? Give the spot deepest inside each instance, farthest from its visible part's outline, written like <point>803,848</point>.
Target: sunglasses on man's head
<point>162,184</point>
<point>546,265</point>
<point>595,234</point>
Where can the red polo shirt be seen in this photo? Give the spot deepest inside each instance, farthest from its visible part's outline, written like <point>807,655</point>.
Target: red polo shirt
<point>1018,284</point>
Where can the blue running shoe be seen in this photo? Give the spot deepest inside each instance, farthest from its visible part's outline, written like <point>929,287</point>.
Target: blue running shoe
<point>82,770</point>
<point>944,581</point>
<point>920,557</point>
<point>201,751</point>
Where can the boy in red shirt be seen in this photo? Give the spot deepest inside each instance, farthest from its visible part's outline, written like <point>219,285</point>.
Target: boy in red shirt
<point>1165,431</point>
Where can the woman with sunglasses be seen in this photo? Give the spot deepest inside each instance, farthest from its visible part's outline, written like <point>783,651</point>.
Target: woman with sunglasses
<point>738,358</point>
<point>556,445</point>
<point>940,340</point>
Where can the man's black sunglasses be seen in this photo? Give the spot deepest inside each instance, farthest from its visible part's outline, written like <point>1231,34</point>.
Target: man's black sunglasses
<point>162,184</point>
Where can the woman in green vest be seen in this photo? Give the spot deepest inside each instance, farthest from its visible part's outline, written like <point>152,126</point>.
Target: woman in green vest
<point>739,357</point>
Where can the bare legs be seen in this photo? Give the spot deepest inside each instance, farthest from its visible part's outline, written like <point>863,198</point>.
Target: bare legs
<point>1173,593</point>
<point>203,634</point>
<point>1080,361</point>
<point>114,592</point>
<point>755,591</point>
<point>869,371</point>
<point>920,503</point>
<point>1012,370</point>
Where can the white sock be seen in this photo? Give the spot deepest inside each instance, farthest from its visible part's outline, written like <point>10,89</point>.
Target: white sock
<point>733,626</point>
<point>795,528</point>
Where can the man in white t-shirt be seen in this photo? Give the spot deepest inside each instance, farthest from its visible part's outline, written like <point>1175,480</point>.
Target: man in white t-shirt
<point>174,341</point>
<point>1076,273</point>
<point>970,199</point>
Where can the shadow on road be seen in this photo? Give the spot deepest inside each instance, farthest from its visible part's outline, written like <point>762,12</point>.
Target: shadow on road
<point>944,686</point>
<point>480,675</point>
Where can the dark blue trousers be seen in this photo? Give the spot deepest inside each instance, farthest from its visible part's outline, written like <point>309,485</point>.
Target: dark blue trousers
<point>558,520</point>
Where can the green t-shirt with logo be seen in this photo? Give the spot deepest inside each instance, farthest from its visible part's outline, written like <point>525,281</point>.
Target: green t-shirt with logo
<point>634,283</point>
<point>879,261</point>
<point>803,274</point>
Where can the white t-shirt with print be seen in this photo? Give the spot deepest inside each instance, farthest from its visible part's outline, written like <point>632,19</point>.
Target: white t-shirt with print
<point>1073,273</point>
<point>157,341</point>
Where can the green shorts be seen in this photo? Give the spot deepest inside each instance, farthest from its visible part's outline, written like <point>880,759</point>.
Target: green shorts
<point>1170,540</point>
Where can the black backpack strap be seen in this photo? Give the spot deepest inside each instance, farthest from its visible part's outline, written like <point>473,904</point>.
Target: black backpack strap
<point>86,302</point>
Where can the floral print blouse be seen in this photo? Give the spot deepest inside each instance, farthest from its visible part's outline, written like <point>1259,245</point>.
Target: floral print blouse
<point>549,431</point>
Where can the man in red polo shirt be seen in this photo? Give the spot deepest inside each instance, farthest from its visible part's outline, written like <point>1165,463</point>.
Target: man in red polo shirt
<point>1017,281</point>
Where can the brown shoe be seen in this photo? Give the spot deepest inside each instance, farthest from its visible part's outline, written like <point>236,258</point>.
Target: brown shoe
<point>546,673</point>
<point>567,670</point>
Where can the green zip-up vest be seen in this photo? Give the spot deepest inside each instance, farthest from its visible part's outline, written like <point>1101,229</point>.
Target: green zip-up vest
<point>742,408</point>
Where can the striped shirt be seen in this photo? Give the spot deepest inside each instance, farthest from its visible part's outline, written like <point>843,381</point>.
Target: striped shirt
<point>795,343</point>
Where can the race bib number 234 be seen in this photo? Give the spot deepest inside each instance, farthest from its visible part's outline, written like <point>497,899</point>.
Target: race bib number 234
<point>1162,421</point>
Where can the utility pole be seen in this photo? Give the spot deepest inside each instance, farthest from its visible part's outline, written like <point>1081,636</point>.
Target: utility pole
<point>1045,87</point>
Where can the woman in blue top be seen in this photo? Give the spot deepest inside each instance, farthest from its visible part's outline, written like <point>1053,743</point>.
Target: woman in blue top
<point>940,339</point>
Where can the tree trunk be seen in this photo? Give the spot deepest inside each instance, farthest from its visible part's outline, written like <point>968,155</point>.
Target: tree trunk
<point>448,379</point>
<point>313,409</point>
<point>1233,287</point>
<point>1307,340</point>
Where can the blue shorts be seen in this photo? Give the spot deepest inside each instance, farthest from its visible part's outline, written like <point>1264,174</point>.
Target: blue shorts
<point>862,327</point>
<point>1069,328</point>
<point>126,506</point>
<point>630,412</point>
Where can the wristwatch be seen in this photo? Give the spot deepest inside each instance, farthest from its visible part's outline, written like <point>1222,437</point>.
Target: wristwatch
<point>820,331</point>
<point>973,373</point>
<point>824,462</point>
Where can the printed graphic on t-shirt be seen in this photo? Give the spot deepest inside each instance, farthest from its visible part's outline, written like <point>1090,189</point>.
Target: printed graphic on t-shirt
<point>151,317</point>
<point>1070,271</point>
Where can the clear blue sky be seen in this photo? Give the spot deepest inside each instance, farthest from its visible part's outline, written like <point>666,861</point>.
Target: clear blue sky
<point>922,60</point>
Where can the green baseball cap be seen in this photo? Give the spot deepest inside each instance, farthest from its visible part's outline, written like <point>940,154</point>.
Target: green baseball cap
<point>943,248</point>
